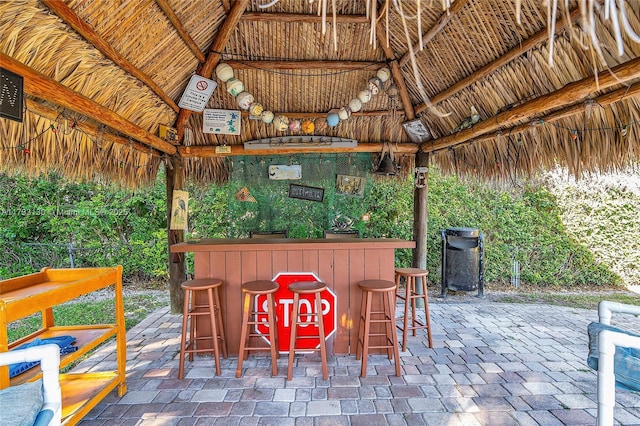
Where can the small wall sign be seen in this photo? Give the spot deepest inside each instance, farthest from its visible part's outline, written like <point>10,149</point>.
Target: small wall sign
<point>309,193</point>
<point>221,121</point>
<point>197,93</point>
<point>11,95</point>
<point>284,172</point>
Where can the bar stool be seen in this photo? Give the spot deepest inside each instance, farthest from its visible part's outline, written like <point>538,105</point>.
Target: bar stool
<point>191,310</point>
<point>250,290</point>
<point>410,297</point>
<point>307,287</point>
<point>385,317</point>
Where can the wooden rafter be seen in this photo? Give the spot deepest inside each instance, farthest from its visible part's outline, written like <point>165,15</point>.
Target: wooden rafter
<point>91,129</point>
<point>505,59</point>
<point>299,65</point>
<point>40,86</point>
<point>396,72</point>
<point>379,113</point>
<point>182,31</point>
<point>436,28</point>
<point>69,16</point>
<point>300,17</point>
<point>210,151</point>
<point>569,94</point>
<point>213,57</point>
<point>578,108</point>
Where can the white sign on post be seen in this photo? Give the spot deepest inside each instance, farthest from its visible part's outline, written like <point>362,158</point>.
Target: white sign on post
<point>221,121</point>
<point>197,93</point>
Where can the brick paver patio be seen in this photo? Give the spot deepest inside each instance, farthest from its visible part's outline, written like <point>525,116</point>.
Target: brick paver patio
<point>492,364</point>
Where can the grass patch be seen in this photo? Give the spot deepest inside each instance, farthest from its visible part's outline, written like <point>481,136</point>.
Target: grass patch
<point>574,300</point>
<point>136,308</point>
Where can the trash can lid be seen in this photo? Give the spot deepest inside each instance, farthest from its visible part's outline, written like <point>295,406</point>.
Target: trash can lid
<point>463,232</point>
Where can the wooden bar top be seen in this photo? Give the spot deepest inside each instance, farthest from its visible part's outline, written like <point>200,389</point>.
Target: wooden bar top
<point>275,244</point>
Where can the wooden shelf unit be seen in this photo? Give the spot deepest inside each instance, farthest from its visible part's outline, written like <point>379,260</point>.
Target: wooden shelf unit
<point>40,292</point>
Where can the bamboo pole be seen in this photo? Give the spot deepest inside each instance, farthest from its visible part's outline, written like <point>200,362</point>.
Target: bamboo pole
<point>436,28</point>
<point>304,65</point>
<point>567,95</point>
<point>505,59</point>
<point>396,72</point>
<point>202,151</point>
<point>182,31</point>
<point>299,17</point>
<point>68,15</point>
<point>40,86</point>
<point>221,40</point>
<point>90,128</point>
<point>603,100</point>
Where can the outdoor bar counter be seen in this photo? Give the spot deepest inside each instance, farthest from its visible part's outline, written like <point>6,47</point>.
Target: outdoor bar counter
<point>340,263</point>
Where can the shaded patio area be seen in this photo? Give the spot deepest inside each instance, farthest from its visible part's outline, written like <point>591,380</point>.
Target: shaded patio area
<point>492,364</point>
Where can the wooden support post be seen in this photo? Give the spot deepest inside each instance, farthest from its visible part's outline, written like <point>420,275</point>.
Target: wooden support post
<point>174,178</point>
<point>420,216</point>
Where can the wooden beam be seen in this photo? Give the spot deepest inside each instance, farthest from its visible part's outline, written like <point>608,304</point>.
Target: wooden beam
<point>436,28</point>
<point>40,86</point>
<point>67,15</point>
<point>208,151</point>
<point>182,31</point>
<point>90,128</point>
<point>213,57</point>
<point>488,69</point>
<point>579,108</point>
<point>303,65</point>
<point>569,94</point>
<point>322,114</point>
<point>396,72</point>
<point>299,17</point>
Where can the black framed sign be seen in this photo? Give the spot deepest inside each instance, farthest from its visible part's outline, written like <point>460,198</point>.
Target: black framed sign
<point>309,193</point>
<point>11,94</point>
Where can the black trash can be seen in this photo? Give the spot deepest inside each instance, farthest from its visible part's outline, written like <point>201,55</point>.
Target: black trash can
<point>462,260</point>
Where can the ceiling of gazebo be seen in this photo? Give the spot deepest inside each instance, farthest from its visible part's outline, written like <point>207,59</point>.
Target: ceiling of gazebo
<point>101,76</point>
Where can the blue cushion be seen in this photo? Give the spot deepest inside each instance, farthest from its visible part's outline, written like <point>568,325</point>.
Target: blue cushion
<point>44,417</point>
<point>64,342</point>
<point>626,361</point>
<point>21,404</point>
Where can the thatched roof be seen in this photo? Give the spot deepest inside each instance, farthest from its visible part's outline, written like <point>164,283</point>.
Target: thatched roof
<point>101,76</point>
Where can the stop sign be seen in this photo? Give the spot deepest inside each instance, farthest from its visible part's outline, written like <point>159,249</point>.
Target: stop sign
<point>284,309</point>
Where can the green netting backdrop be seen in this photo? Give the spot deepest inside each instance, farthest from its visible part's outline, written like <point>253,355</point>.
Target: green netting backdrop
<point>275,210</point>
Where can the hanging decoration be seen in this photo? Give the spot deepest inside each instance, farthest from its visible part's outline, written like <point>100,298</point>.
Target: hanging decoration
<point>246,101</point>
<point>179,210</point>
<point>243,195</point>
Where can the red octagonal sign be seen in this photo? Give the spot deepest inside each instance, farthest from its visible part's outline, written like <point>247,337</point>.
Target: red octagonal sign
<point>284,309</point>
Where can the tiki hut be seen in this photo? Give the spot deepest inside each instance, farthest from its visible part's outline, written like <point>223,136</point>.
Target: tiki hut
<point>118,89</point>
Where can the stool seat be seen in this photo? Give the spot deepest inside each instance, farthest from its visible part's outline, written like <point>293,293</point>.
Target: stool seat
<point>211,309</point>
<point>412,272</point>
<point>410,297</point>
<point>301,288</point>
<point>377,285</point>
<point>382,318</point>
<point>201,283</point>
<point>252,316</point>
<point>307,287</point>
<point>260,287</point>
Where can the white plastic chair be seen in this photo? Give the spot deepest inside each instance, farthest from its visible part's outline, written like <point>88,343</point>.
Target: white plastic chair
<point>49,357</point>
<point>608,340</point>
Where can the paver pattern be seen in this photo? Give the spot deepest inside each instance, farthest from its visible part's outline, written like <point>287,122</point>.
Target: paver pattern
<point>492,364</point>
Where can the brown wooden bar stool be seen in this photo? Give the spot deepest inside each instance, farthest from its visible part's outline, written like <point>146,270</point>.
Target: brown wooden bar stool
<point>307,287</point>
<point>386,317</point>
<point>192,310</point>
<point>250,290</point>
<point>410,297</point>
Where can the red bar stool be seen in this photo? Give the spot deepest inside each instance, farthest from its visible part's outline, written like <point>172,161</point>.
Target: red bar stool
<point>410,298</point>
<point>191,310</point>
<point>250,290</point>
<point>307,287</point>
<point>386,317</point>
